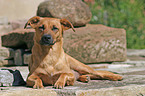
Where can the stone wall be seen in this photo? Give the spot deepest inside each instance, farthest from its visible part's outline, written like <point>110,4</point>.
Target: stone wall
<point>90,44</point>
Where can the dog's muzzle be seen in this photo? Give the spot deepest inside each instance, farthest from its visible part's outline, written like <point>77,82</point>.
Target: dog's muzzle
<point>47,40</point>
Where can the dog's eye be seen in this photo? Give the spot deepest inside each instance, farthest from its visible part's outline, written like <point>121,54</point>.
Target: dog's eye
<point>54,29</point>
<point>41,28</point>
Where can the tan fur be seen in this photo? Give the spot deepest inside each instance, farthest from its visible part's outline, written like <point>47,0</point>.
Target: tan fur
<point>50,65</point>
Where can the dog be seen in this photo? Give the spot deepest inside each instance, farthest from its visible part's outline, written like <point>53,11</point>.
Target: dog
<point>49,64</point>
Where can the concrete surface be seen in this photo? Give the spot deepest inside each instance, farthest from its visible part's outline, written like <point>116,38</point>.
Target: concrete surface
<point>17,9</point>
<point>133,83</point>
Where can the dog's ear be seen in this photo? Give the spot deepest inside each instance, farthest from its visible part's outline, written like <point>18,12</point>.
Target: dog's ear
<point>66,24</point>
<point>32,22</point>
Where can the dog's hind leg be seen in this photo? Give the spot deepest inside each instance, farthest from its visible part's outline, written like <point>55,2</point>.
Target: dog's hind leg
<point>105,75</point>
<point>83,69</point>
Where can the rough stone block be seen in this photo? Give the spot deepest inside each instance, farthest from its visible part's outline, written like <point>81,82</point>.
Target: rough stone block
<point>11,54</point>
<point>27,58</point>
<point>11,62</point>
<point>18,58</point>
<point>3,62</point>
<point>96,43</point>
<point>4,53</point>
<point>19,38</point>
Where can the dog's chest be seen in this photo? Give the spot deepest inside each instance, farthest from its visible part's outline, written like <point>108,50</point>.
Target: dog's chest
<point>54,65</point>
<point>48,64</point>
<point>47,68</point>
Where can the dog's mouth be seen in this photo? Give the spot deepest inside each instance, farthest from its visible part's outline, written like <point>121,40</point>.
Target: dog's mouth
<point>47,40</point>
<point>47,43</point>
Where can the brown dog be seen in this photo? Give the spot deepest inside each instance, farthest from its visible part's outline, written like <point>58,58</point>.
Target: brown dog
<point>49,64</point>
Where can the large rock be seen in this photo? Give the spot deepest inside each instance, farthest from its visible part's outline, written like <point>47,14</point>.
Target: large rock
<point>89,44</point>
<point>76,11</point>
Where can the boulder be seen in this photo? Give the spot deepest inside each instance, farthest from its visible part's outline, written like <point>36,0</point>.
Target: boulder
<point>89,44</point>
<point>76,11</point>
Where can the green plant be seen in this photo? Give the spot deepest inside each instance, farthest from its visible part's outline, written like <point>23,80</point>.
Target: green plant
<point>127,14</point>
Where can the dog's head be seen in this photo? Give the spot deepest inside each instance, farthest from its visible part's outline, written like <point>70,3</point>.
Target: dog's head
<point>48,30</point>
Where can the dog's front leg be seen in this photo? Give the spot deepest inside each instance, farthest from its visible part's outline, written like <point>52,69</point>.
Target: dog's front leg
<point>35,81</point>
<point>65,78</point>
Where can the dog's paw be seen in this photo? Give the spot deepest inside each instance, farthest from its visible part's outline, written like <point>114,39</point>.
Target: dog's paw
<point>38,86</point>
<point>69,83</point>
<point>59,85</point>
<point>84,78</point>
<point>117,78</point>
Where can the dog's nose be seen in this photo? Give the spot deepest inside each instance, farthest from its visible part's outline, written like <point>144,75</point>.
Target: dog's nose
<point>46,37</point>
<point>46,40</point>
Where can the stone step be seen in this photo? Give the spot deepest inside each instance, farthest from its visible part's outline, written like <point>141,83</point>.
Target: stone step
<point>132,90</point>
<point>30,92</point>
<point>115,91</point>
<point>132,84</point>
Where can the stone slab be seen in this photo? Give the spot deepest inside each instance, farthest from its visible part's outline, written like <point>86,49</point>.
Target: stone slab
<point>30,92</point>
<point>136,54</point>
